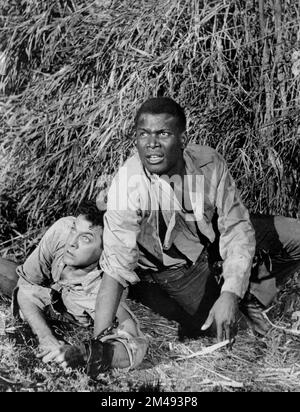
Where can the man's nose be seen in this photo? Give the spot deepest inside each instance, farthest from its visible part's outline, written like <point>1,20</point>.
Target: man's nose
<point>153,140</point>
<point>73,241</point>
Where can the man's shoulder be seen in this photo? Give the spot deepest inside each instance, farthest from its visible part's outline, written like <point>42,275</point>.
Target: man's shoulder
<point>62,223</point>
<point>60,229</point>
<point>37,268</point>
<point>131,168</point>
<point>202,152</point>
<point>133,164</point>
<point>128,182</point>
<point>202,155</point>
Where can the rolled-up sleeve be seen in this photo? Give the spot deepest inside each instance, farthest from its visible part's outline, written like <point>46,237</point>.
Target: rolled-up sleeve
<point>237,237</point>
<point>121,230</point>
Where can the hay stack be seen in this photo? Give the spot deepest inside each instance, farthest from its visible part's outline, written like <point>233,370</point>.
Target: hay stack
<point>76,71</point>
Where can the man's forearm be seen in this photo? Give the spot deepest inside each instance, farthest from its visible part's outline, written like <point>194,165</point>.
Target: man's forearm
<point>107,303</point>
<point>34,316</point>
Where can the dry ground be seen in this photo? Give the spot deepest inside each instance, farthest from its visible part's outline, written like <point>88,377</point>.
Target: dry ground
<point>254,364</point>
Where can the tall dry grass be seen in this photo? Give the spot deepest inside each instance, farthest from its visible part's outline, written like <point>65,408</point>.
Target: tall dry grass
<point>74,73</point>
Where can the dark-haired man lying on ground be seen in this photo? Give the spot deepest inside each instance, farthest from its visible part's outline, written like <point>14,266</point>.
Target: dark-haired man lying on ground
<point>173,210</point>
<point>60,280</point>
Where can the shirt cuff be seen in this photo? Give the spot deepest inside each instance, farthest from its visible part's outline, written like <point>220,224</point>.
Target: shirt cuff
<point>231,285</point>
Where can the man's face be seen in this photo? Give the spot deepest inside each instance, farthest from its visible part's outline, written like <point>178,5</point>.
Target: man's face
<point>84,244</point>
<point>159,142</point>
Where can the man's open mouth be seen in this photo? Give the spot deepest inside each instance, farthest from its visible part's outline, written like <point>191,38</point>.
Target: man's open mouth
<point>155,159</point>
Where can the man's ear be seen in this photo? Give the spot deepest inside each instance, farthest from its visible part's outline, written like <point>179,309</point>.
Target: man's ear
<point>183,139</point>
<point>134,138</point>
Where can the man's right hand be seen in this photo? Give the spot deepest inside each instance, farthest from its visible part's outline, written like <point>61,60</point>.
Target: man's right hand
<point>224,313</point>
<point>50,348</point>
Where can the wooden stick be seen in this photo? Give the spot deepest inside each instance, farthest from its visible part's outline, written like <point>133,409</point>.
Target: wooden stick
<point>232,384</point>
<point>206,351</point>
<point>240,384</point>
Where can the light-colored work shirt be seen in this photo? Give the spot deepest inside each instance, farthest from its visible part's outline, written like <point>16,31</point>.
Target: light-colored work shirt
<point>135,199</point>
<point>45,266</point>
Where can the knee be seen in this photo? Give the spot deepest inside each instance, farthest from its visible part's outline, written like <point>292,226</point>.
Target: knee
<point>120,357</point>
<point>129,352</point>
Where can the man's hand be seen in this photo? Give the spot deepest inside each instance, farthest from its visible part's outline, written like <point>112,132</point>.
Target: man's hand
<point>52,349</point>
<point>224,314</point>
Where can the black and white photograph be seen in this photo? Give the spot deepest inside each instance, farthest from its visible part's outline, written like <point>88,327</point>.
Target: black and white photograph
<point>149,198</point>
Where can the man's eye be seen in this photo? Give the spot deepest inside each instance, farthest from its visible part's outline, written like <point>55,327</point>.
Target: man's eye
<point>165,134</point>
<point>85,239</point>
<point>143,134</point>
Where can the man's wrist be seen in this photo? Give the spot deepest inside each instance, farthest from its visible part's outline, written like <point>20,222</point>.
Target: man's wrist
<point>107,331</point>
<point>231,295</point>
<point>47,339</point>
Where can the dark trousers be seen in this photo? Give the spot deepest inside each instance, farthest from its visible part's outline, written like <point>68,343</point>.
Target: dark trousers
<point>187,294</point>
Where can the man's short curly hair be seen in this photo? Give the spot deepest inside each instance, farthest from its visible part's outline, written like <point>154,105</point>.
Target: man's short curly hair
<point>160,105</point>
<point>89,210</point>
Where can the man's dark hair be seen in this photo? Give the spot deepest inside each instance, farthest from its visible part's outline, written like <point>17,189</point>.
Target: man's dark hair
<point>89,210</point>
<point>159,105</point>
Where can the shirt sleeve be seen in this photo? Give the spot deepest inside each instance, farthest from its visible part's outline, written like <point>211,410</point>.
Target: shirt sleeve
<point>36,269</point>
<point>121,230</point>
<point>237,236</point>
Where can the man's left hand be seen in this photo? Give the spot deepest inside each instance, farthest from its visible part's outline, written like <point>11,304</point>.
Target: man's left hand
<point>224,314</point>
